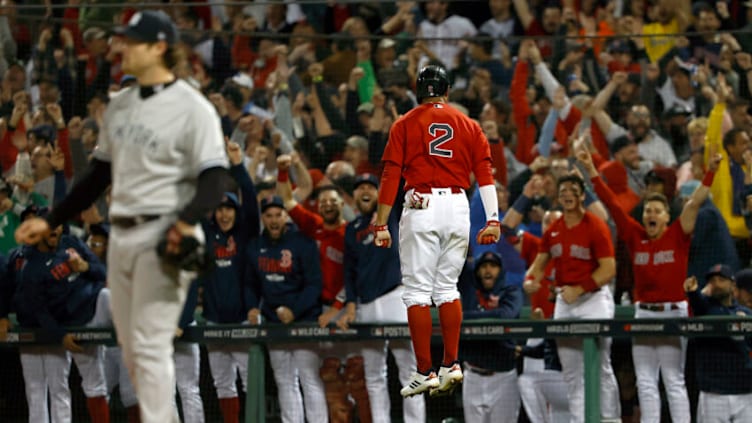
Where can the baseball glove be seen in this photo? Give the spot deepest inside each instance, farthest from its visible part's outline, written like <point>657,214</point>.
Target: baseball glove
<point>183,252</point>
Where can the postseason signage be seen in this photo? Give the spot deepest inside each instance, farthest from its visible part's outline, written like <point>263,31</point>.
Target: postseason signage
<point>472,329</point>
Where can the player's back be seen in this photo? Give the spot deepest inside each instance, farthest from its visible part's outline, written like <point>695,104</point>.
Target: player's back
<point>436,146</point>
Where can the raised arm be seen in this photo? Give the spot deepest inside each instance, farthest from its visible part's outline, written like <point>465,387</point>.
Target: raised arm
<point>284,188</point>
<point>601,101</point>
<point>524,13</point>
<point>516,214</point>
<point>688,216</point>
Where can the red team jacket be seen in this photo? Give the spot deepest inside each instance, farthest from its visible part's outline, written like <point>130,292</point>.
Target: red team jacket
<point>659,265</point>
<point>576,250</point>
<point>434,146</point>
<point>331,245</point>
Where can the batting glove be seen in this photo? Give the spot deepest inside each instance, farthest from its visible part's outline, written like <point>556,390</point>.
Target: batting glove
<point>381,236</point>
<point>490,233</point>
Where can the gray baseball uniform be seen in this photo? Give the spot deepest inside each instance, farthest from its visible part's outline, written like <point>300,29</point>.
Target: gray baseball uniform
<point>157,146</point>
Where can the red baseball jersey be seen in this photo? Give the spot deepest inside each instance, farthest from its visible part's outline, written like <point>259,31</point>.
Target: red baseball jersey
<point>434,146</point>
<point>530,247</point>
<point>331,245</point>
<point>576,250</point>
<point>659,265</point>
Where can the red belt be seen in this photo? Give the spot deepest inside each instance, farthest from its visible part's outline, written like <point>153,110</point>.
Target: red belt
<point>423,190</point>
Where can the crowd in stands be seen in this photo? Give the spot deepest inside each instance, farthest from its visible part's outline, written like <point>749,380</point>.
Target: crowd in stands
<point>307,93</point>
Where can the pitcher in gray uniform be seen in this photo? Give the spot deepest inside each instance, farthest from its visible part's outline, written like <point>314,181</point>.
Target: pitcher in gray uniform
<point>161,147</point>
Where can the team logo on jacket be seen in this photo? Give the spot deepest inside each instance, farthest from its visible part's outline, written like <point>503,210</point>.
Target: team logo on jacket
<point>286,260</point>
<point>226,251</point>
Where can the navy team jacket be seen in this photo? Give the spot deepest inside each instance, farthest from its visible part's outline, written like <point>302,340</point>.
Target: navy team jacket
<point>371,271</point>
<point>487,354</point>
<point>723,365</point>
<point>285,272</point>
<point>225,295</point>
<point>56,295</point>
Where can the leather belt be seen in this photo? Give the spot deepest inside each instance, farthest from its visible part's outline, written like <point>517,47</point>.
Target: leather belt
<point>127,222</point>
<point>479,371</point>
<point>428,190</point>
<point>658,306</point>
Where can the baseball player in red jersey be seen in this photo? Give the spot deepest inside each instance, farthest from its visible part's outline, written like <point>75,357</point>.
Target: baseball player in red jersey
<point>579,243</point>
<point>659,254</point>
<point>435,147</point>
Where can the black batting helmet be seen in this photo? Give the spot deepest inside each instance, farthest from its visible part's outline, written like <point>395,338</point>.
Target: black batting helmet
<point>433,81</point>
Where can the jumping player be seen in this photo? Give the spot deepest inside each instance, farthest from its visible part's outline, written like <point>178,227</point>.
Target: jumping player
<point>435,147</point>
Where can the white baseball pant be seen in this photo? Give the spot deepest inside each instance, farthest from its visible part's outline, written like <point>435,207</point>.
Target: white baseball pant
<point>490,399</point>
<point>187,371</point>
<point>716,408</point>
<point>148,298</point>
<point>225,361</point>
<point>90,363</point>
<point>433,247</point>
<point>117,375</point>
<point>666,355</point>
<point>296,365</point>
<point>46,369</point>
<point>543,392</point>
<point>389,309</point>
<point>595,305</point>
<point>544,396</point>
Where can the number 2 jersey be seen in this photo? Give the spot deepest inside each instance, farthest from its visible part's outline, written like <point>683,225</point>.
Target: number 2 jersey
<point>434,145</point>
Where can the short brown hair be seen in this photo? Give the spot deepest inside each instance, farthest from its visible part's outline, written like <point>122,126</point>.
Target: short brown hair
<point>656,196</point>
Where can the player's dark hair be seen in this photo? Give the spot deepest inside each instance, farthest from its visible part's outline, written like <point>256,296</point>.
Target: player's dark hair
<point>574,179</point>
<point>730,137</point>
<point>172,57</point>
<point>658,197</point>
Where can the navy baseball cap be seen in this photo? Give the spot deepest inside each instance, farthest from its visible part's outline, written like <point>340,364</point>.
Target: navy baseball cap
<point>150,26</point>
<point>230,200</point>
<point>273,201</point>
<point>34,210</point>
<point>744,279</point>
<point>721,270</point>
<point>366,178</point>
<point>488,257</point>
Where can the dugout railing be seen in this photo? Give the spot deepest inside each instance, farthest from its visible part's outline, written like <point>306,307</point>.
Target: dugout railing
<point>588,330</point>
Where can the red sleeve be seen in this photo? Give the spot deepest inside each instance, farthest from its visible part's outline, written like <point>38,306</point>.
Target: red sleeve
<point>626,227</point>
<point>598,160</point>
<point>521,113</point>
<point>390,179</point>
<point>599,141</point>
<point>499,161</point>
<point>242,55</point>
<point>64,145</point>
<point>307,221</point>
<point>544,245</point>
<point>601,244</point>
<point>8,151</point>
<point>530,247</point>
<point>562,138</point>
<point>481,157</point>
<point>573,118</point>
